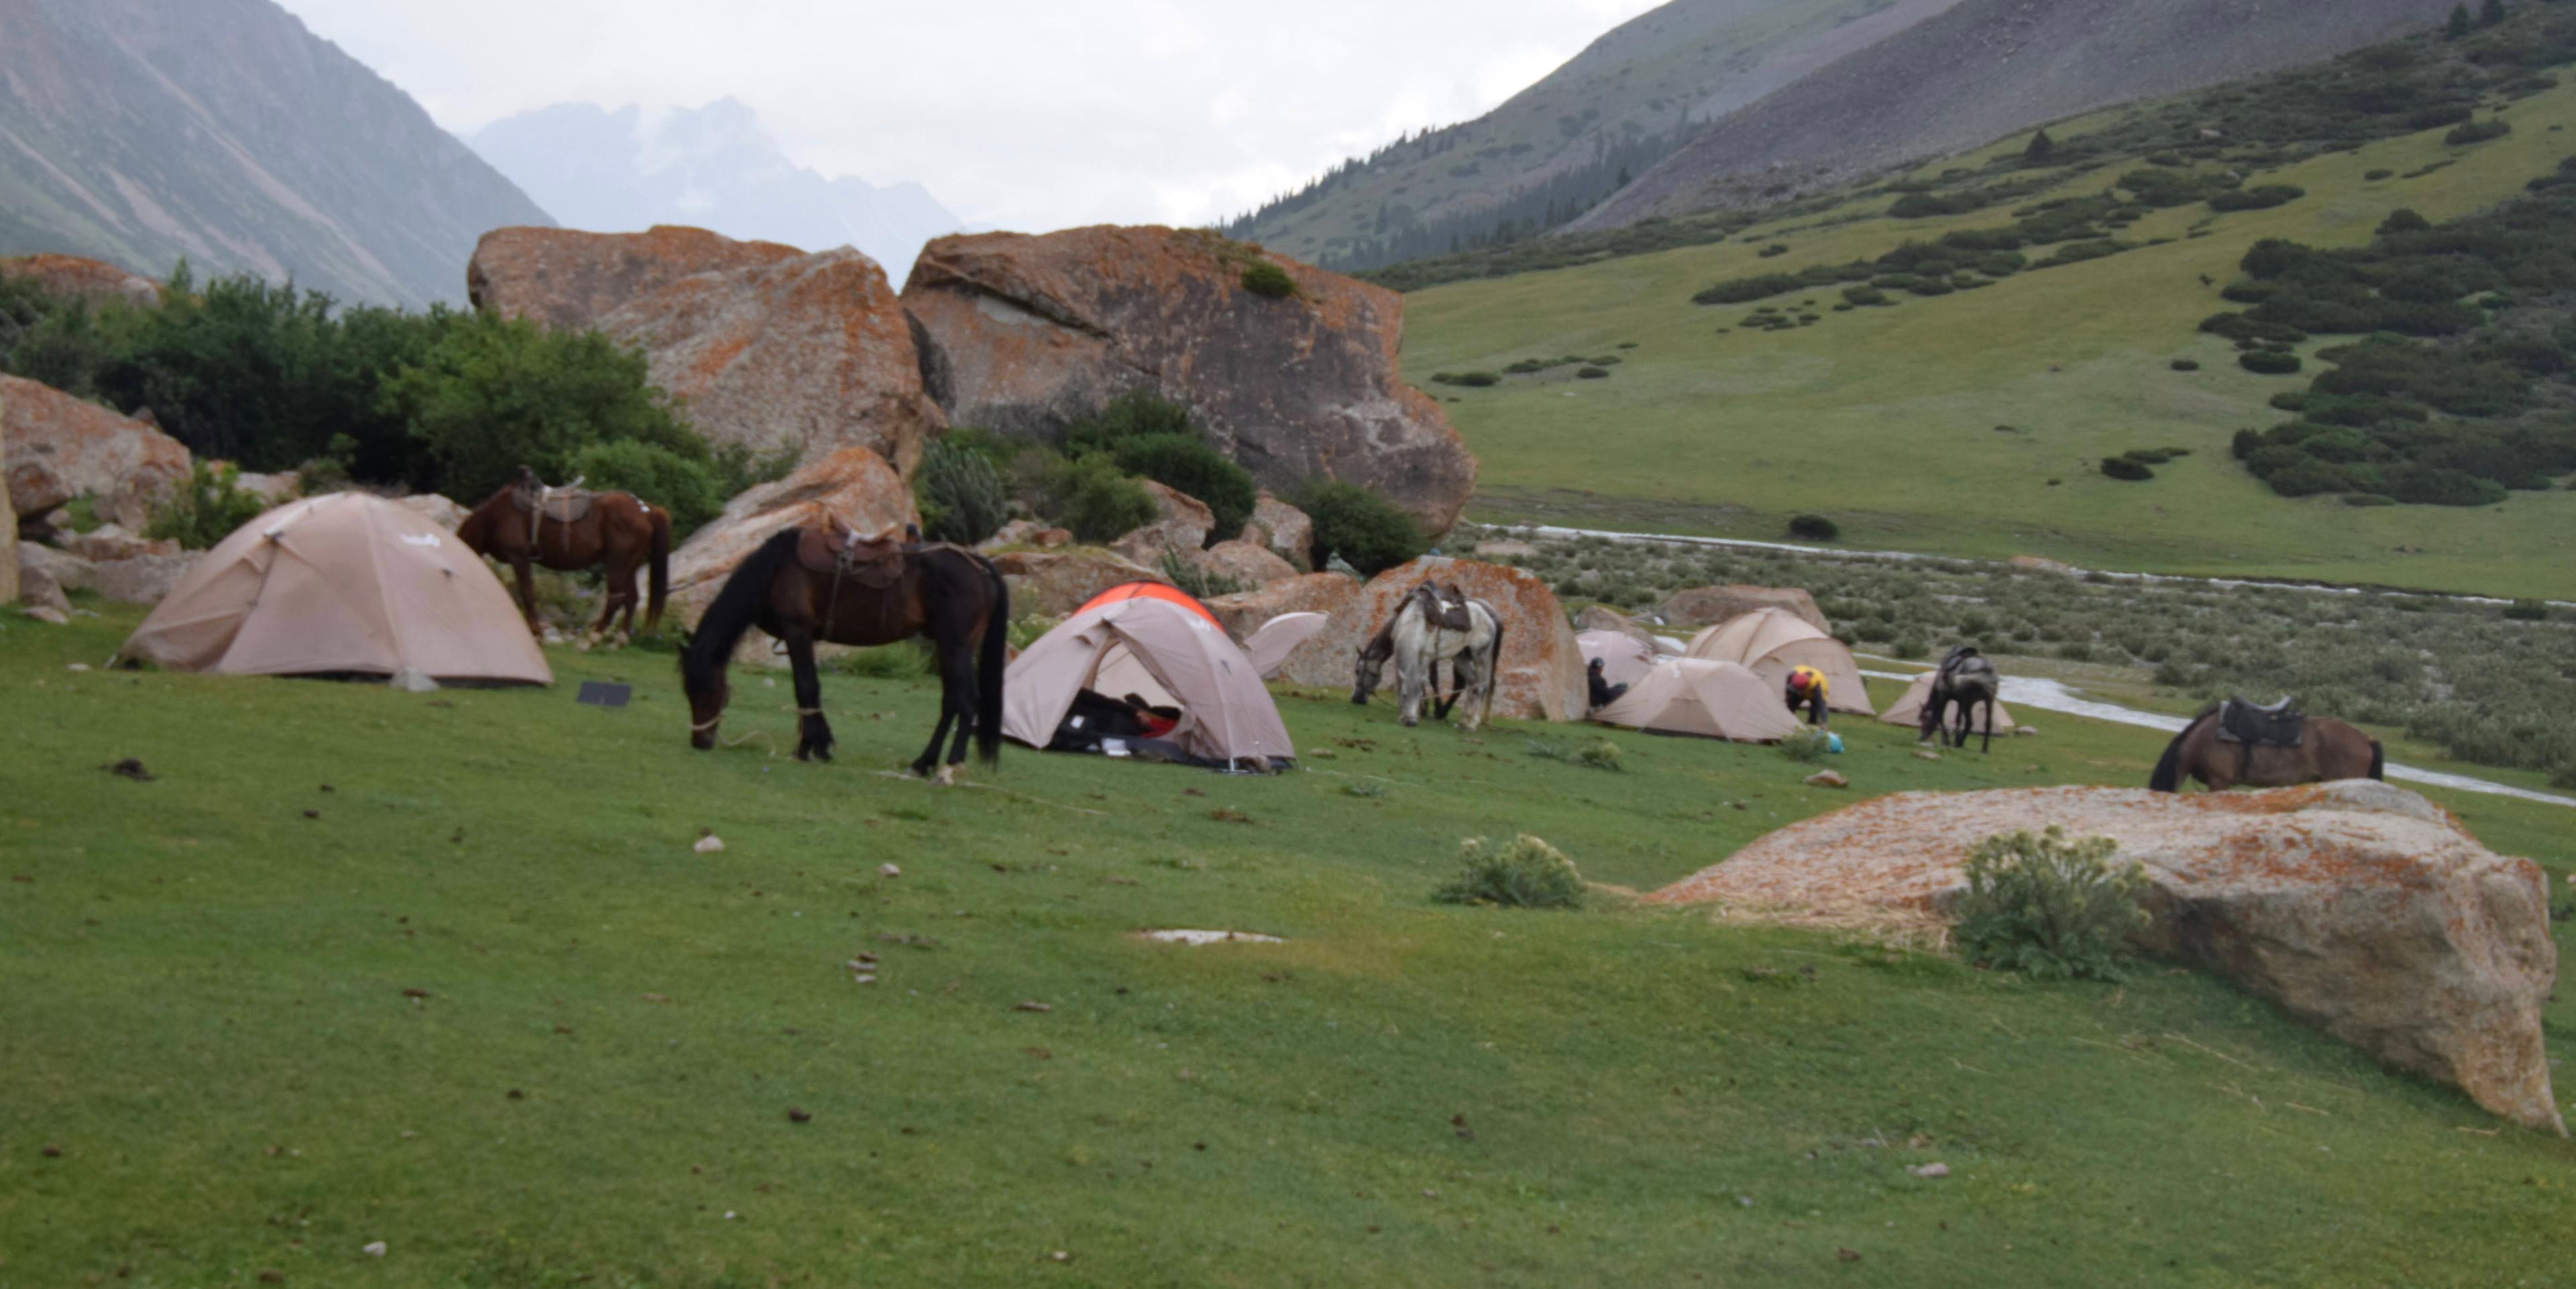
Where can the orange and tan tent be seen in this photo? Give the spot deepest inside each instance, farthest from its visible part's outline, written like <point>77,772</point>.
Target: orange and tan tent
<point>1711,699</point>
<point>1162,652</point>
<point>1771,641</point>
<point>1908,710</point>
<point>1625,659</point>
<point>1148,591</point>
<point>344,584</point>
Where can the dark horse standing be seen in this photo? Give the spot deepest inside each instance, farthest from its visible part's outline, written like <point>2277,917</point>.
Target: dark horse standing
<point>575,532</point>
<point>1965,679</point>
<point>2326,749</point>
<point>805,585</point>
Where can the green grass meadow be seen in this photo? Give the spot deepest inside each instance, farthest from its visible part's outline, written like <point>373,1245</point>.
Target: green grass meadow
<point>1887,419</point>
<point>478,999</point>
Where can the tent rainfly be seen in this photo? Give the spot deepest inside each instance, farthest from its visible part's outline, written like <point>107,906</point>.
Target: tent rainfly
<point>1148,591</point>
<point>343,584</point>
<point>1711,699</point>
<point>1269,646</point>
<point>1771,641</point>
<point>1162,651</point>
<point>1625,659</point>
<point>1908,710</point>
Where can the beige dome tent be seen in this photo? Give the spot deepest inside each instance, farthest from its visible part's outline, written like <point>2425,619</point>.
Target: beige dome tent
<point>1171,656</point>
<point>1625,659</point>
<point>1270,646</point>
<point>1908,710</point>
<point>337,585</point>
<point>1712,699</point>
<point>1771,641</point>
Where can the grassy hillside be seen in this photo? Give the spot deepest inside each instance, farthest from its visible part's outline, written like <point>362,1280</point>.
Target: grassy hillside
<point>1941,424</point>
<point>442,971</point>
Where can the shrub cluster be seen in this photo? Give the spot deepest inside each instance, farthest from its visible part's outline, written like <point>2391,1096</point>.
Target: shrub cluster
<point>1523,873</point>
<point>207,509</point>
<point>2049,908</point>
<point>1369,532</point>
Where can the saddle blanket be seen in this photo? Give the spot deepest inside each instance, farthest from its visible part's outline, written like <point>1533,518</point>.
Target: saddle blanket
<point>2275,726</point>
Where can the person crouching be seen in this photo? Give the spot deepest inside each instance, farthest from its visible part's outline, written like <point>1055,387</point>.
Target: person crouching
<point>1806,688</point>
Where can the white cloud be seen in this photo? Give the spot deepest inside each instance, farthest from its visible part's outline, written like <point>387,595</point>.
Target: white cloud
<point>1031,114</point>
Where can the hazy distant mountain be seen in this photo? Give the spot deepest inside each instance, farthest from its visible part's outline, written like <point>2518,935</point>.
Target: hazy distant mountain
<point>712,168</point>
<point>140,131</point>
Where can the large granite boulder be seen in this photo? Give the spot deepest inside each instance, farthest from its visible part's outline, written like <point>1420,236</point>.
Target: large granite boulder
<point>2359,907</point>
<point>1025,334</point>
<point>1179,527</point>
<point>141,579</point>
<point>8,521</point>
<point>1542,667</point>
<point>851,483</point>
<point>1282,529</point>
<point>1052,583</point>
<point>1601,617</point>
<point>61,447</point>
<point>1326,593</point>
<point>436,509</point>
<point>1709,605</point>
<point>112,542</point>
<point>96,281</point>
<point>767,347</point>
<point>1242,562</point>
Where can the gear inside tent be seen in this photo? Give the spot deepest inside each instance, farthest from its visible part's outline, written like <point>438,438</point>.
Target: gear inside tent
<point>1710,699</point>
<point>1625,659</point>
<point>1149,677</point>
<point>1772,641</point>
<point>346,584</point>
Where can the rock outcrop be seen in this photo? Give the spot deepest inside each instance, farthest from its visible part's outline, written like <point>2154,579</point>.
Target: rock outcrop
<point>1282,529</point>
<point>1052,583</point>
<point>1024,334</point>
<point>1710,605</point>
<point>1025,532</point>
<point>93,280</point>
<point>768,347</point>
<point>1180,527</point>
<point>140,579</point>
<point>434,508</point>
<point>851,483</point>
<point>112,542</point>
<point>8,519</point>
<point>1243,562</point>
<point>1542,666</point>
<point>2360,907</point>
<point>61,447</point>
<point>1326,593</point>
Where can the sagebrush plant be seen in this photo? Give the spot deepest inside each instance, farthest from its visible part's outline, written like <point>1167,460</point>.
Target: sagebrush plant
<point>1204,583</point>
<point>1807,745</point>
<point>207,509</point>
<point>1370,532</point>
<point>2050,908</point>
<point>1523,873</point>
<point>961,496</point>
<point>1599,754</point>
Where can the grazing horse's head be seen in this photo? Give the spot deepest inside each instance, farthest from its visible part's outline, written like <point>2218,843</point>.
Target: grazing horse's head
<point>1369,666</point>
<point>709,689</point>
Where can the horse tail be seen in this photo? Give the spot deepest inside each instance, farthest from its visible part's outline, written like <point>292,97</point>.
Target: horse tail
<point>2168,772</point>
<point>988,679</point>
<point>737,607</point>
<point>660,568</point>
<point>1494,674</point>
<point>2378,760</point>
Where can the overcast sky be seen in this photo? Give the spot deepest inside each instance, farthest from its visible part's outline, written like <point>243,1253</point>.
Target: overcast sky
<point>1020,114</point>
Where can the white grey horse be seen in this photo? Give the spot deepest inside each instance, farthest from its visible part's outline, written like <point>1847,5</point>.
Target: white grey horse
<point>1430,624</point>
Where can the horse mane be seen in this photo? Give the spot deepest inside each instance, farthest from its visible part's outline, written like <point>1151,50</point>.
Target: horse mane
<point>736,609</point>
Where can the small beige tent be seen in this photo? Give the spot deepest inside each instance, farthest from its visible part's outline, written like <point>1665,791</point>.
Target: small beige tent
<point>1908,710</point>
<point>1169,655</point>
<point>1712,699</point>
<point>1625,659</point>
<point>1771,641</point>
<point>337,585</point>
<point>1269,646</point>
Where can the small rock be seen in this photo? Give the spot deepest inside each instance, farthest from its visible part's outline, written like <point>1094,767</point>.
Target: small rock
<point>77,666</point>
<point>795,1115</point>
<point>373,1248</point>
<point>1853,1255</point>
<point>129,768</point>
<point>1926,754</point>
<point>48,613</point>
<point>1930,1170</point>
<point>517,1095</point>
<point>888,870</point>
<point>708,844</point>
<point>1032,1005</point>
<point>1826,779</point>
<point>657,998</point>
<point>312,814</point>
<point>271,1276</point>
<point>2025,731</point>
<point>1060,1255</point>
<point>52,1150</point>
<point>412,680</point>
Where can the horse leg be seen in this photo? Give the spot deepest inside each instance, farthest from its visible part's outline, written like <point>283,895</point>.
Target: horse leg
<point>949,710</point>
<point>813,733</point>
<point>1408,687</point>
<point>957,689</point>
<point>1988,746</point>
<point>527,591</point>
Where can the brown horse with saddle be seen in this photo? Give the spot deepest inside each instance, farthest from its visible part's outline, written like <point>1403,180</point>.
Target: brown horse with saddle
<point>568,529</point>
<point>836,585</point>
<point>2265,747</point>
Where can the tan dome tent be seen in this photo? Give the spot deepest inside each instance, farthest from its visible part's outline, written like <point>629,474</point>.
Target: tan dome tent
<point>1065,692</point>
<point>1771,641</point>
<point>1270,646</point>
<point>1625,659</point>
<point>1908,710</point>
<point>344,584</point>
<point>1711,699</point>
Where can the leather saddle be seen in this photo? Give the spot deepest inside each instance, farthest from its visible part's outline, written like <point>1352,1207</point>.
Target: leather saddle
<point>2274,726</point>
<point>565,505</point>
<point>1444,607</point>
<point>871,559</point>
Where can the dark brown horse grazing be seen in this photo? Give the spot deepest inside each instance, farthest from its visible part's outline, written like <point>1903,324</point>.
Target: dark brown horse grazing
<point>614,529</point>
<point>2327,749</point>
<point>1965,680</point>
<point>882,593</point>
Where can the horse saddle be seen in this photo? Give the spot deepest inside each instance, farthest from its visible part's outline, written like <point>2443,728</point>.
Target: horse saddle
<point>2274,726</point>
<point>1444,607</point>
<point>870,559</point>
<point>569,504</point>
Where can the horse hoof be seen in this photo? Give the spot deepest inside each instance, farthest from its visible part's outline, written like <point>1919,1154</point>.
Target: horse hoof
<point>1407,721</point>
<point>947,776</point>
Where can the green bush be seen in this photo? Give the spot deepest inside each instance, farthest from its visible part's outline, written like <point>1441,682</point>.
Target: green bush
<point>1269,281</point>
<point>1814,528</point>
<point>2478,132</point>
<point>2368,499</point>
<point>2377,174</point>
<point>687,487</point>
<point>1599,754</point>
<point>1591,373</point>
<point>1746,289</point>
<point>959,492</point>
<point>1806,746</point>
<point>2259,198</point>
<point>1524,873</point>
<point>2124,468</point>
<point>2049,908</point>
<point>1200,582</point>
<point>2527,611</point>
<point>206,510</point>
<point>2268,362</point>
<point>1470,379</point>
<point>1368,531</point>
<point>2185,364</point>
<point>1185,463</point>
<point>2402,220</point>
<point>1868,295</point>
<point>1092,498</point>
